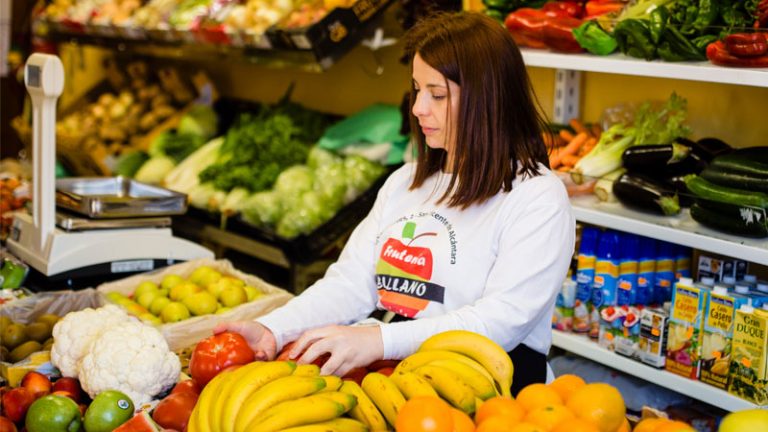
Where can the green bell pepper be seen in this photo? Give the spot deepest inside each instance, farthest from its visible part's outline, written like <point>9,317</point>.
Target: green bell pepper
<point>633,37</point>
<point>594,39</point>
<point>658,22</point>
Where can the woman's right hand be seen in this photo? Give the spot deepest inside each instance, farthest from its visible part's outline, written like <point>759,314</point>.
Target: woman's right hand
<point>259,338</point>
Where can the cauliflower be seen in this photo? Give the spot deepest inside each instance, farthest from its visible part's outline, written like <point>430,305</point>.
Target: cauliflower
<point>133,358</point>
<point>74,333</point>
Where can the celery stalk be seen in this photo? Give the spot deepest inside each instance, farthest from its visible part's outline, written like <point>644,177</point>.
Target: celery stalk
<point>599,163</point>
<point>604,186</point>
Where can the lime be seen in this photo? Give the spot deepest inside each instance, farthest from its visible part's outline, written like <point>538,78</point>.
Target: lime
<point>108,410</point>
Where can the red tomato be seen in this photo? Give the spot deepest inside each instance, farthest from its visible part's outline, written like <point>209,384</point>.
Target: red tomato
<point>381,364</point>
<point>174,411</point>
<point>216,353</point>
<point>356,375</point>
<point>186,386</point>
<point>387,371</point>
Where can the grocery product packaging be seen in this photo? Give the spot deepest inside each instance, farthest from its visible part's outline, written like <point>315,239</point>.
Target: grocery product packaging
<point>749,359</point>
<point>585,274</point>
<point>686,318</point>
<point>718,334</point>
<point>654,332</point>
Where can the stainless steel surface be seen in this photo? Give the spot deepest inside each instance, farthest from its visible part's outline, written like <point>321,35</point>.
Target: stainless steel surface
<point>117,197</point>
<point>76,223</point>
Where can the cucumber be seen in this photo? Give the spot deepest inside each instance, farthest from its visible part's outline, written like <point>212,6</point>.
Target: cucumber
<point>708,190</point>
<point>728,224</point>
<point>736,180</point>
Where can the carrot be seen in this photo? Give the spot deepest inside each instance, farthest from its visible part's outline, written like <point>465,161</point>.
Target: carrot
<point>564,168</point>
<point>549,139</point>
<point>578,126</point>
<point>554,158</point>
<point>588,146</point>
<point>596,130</point>
<point>570,160</point>
<point>566,135</point>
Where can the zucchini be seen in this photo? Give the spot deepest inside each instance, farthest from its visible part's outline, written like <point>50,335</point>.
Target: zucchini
<point>646,194</point>
<point>749,163</point>
<point>652,157</point>
<point>732,210</point>
<point>727,223</point>
<point>708,190</point>
<point>736,180</point>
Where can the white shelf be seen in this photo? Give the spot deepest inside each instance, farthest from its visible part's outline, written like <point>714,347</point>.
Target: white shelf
<point>681,229</point>
<point>624,65</point>
<point>584,347</point>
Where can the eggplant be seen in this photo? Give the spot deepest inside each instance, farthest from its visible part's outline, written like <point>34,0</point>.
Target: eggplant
<point>709,148</point>
<point>677,183</point>
<point>653,157</point>
<point>646,194</point>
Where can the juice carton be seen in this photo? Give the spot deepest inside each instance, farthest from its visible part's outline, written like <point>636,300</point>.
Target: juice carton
<point>585,274</point>
<point>646,271</point>
<point>686,317</point>
<point>748,371</point>
<point>628,262</point>
<point>605,285</point>
<point>654,332</point>
<point>682,262</point>
<point>665,272</point>
<point>626,341</point>
<point>563,317</point>
<point>718,334</point>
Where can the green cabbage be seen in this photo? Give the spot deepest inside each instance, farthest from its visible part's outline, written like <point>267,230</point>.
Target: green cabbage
<point>295,180</point>
<point>263,208</point>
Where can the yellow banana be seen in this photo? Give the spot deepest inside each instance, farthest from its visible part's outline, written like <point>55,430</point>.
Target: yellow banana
<point>207,397</point>
<point>365,411</point>
<point>246,381</point>
<point>192,423</point>
<point>412,385</point>
<point>421,358</point>
<point>217,406</point>
<point>384,394</point>
<point>307,410</point>
<point>307,370</point>
<point>277,391</point>
<point>345,399</point>
<point>482,386</point>
<point>478,347</point>
<point>340,424</point>
<point>449,386</point>
<point>332,383</point>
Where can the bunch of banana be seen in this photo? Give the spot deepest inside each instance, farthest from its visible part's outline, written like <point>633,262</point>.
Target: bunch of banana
<point>270,396</point>
<point>462,367</point>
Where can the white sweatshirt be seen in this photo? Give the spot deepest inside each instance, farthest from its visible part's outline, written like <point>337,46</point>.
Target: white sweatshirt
<point>494,268</point>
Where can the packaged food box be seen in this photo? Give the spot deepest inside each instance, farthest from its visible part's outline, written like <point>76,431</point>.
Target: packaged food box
<point>748,372</point>
<point>686,318</point>
<point>718,334</point>
<point>185,329</point>
<point>654,332</point>
<point>626,341</point>
<point>563,317</point>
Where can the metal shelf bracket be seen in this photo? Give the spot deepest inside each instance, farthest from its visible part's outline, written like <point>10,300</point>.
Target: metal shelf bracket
<point>567,95</point>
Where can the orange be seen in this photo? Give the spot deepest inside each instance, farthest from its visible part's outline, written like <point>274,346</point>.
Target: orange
<point>566,385</point>
<point>575,425</point>
<point>537,396</point>
<point>500,423</point>
<point>424,414</point>
<point>600,404</point>
<point>624,426</point>
<point>527,427</point>
<point>500,406</point>
<point>675,426</point>
<point>650,424</point>
<point>461,421</point>
<point>549,416</point>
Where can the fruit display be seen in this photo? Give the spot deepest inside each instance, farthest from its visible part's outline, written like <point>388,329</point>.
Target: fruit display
<point>14,193</point>
<point>205,291</point>
<point>107,349</point>
<point>18,340</point>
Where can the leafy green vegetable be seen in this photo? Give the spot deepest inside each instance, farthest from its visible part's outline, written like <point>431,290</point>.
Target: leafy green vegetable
<point>200,120</point>
<point>174,145</point>
<point>128,163</point>
<point>594,39</point>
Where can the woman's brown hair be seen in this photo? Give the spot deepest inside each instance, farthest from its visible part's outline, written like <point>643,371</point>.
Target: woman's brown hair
<point>498,135</point>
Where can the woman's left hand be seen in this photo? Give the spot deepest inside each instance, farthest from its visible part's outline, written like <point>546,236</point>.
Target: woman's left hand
<point>349,347</point>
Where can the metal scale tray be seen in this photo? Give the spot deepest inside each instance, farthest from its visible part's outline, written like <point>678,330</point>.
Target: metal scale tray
<point>117,197</point>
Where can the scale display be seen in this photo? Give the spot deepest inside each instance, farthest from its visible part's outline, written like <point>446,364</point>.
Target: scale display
<point>33,76</point>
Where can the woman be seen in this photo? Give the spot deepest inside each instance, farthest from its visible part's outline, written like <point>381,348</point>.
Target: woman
<point>477,234</point>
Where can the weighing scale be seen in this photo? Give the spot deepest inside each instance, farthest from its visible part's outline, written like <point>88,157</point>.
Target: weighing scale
<point>85,252</point>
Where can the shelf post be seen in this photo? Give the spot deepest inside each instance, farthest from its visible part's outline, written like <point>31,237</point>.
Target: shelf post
<point>567,95</point>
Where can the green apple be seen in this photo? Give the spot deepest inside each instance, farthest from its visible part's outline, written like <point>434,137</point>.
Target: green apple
<point>116,297</point>
<point>135,309</point>
<point>170,281</point>
<point>234,280</point>
<point>174,312</point>
<point>217,287</point>
<point>158,304</point>
<point>252,292</point>
<point>163,292</point>
<point>151,319</point>
<point>184,289</point>
<point>53,413</point>
<point>201,303</point>
<point>145,287</point>
<point>233,295</point>
<point>108,410</point>
<point>223,309</point>
<point>204,276</point>
<point>146,299</point>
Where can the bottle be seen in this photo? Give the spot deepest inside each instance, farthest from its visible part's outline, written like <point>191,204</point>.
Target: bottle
<point>682,261</point>
<point>629,251</point>
<point>585,273</point>
<point>646,270</point>
<point>665,272</point>
<point>604,287</point>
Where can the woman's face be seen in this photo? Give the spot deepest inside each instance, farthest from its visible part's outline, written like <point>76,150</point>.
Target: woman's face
<point>437,116</point>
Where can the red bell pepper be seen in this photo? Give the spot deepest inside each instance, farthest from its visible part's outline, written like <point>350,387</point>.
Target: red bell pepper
<point>526,26</point>
<point>563,8</point>
<point>718,54</point>
<point>558,34</point>
<point>747,44</point>
<point>596,8</point>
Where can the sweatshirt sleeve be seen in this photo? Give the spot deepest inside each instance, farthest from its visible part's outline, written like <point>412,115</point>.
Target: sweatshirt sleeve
<point>534,252</point>
<point>347,291</point>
